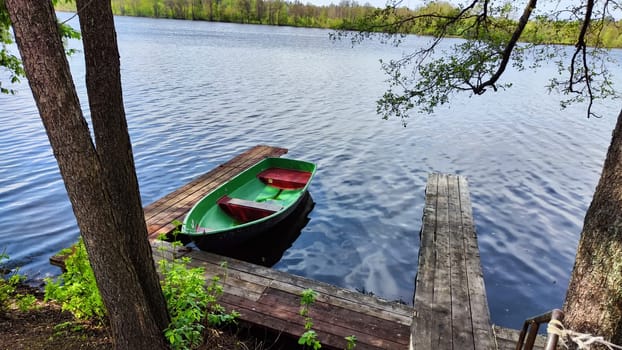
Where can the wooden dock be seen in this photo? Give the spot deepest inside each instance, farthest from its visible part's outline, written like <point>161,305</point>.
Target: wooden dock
<point>450,298</point>
<point>270,299</point>
<point>450,307</point>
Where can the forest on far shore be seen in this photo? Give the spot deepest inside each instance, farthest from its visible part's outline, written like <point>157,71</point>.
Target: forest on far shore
<point>350,15</point>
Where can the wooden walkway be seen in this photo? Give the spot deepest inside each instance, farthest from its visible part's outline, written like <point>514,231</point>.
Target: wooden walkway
<point>451,307</point>
<point>451,310</point>
<point>450,298</point>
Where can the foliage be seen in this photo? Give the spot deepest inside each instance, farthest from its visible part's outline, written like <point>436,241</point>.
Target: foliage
<point>76,288</point>
<point>190,302</point>
<point>8,290</point>
<point>430,76</point>
<point>186,300</point>
<point>25,302</point>
<point>10,62</point>
<point>433,18</point>
<point>309,338</point>
<point>7,287</point>
<point>351,342</point>
<point>272,12</point>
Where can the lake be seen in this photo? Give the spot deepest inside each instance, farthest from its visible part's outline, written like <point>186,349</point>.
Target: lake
<point>198,93</point>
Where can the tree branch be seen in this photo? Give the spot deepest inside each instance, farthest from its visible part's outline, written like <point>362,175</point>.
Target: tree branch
<point>507,52</point>
<point>581,49</point>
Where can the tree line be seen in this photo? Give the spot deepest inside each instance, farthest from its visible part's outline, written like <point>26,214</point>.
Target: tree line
<point>350,15</point>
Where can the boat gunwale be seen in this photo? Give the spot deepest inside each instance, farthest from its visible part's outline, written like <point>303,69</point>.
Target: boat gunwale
<point>246,225</point>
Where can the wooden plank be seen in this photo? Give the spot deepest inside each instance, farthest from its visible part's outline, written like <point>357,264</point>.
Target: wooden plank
<point>506,338</point>
<point>390,311</point>
<point>462,329</point>
<point>232,280</point>
<point>247,293</point>
<point>421,329</point>
<point>441,333</point>
<point>480,314</point>
<point>331,321</point>
<point>165,250</point>
<point>450,298</point>
<point>340,321</point>
<point>282,321</point>
<point>191,186</point>
<point>190,194</point>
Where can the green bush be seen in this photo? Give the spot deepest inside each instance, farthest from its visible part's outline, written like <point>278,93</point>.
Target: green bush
<point>7,287</point>
<point>8,290</point>
<point>191,303</point>
<point>76,288</point>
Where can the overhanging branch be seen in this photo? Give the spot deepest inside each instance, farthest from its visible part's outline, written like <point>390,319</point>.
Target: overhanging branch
<point>507,52</point>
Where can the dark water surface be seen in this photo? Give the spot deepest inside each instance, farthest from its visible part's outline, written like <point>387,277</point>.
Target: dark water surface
<point>198,93</point>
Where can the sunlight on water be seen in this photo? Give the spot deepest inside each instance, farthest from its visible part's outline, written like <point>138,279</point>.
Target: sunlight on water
<point>197,94</point>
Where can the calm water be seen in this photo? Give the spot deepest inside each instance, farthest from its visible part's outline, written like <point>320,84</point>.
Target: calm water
<point>198,93</point>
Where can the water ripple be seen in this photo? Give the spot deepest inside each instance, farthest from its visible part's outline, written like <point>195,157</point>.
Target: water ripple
<point>198,93</point>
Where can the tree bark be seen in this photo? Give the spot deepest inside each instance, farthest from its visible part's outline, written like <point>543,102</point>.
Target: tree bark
<point>96,180</point>
<point>594,297</point>
<point>103,82</point>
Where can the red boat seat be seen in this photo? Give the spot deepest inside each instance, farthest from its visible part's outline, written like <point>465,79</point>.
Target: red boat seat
<point>286,179</point>
<point>244,211</point>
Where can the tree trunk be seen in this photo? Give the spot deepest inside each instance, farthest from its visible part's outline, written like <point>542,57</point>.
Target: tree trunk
<point>103,82</point>
<point>101,184</point>
<point>594,298</point>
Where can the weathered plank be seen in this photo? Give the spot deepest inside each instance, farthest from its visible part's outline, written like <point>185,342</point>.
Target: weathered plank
<point>370,305</point>
<point>460,311</point>
<point>442,270</point>
<point>450,298</point>
<point>480,313</point>
<point>342,321</point>
<point>506,338</point>
<point>271,299</point>
<point>251,155</point>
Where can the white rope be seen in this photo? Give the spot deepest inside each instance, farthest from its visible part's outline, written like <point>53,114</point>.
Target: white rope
<point>583,340</point>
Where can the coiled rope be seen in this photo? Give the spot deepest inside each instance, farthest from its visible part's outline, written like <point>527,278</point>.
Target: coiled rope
<point>583,340</point>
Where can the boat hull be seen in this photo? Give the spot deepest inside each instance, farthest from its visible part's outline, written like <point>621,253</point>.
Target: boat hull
<point>235,237</point>
<point>249,204</point>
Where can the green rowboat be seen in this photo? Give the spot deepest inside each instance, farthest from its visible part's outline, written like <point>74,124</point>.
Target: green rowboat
<point>249,204</point>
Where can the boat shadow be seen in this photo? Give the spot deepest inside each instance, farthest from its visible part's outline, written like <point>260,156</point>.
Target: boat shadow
<point>267,248</point>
